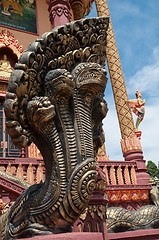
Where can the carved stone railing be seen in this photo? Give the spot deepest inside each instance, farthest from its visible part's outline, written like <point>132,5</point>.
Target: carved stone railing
<point>29,169</point>
<point>32,170</point>
<point>119,172</point>
<point>123,189</point>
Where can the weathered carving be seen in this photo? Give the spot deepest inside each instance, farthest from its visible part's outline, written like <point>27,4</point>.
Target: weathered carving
<point>122,220</point>
<point>50,102</point>
<point>154,192</point>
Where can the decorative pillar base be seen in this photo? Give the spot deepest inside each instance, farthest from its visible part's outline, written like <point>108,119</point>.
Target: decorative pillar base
<point>130,143</point>
<point>132,151</point>
<point>142,176</point>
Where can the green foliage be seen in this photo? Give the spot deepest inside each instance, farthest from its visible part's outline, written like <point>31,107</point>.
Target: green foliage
<point>152,169</point>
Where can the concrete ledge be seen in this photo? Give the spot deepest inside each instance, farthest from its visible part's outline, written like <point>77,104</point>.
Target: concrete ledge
<point>69,236</point>
<point>148,234</point>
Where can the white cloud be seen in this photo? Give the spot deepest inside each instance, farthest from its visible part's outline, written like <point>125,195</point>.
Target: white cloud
<point>147,79</point>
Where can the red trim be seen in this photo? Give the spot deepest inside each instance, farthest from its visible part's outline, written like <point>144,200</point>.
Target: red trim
<point>69,236</point>
<point>2,95</point>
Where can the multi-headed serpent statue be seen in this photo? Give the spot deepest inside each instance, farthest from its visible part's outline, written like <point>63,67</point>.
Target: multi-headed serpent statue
<point>55,99</point>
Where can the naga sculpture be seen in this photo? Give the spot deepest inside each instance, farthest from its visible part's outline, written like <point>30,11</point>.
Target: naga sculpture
<point>55,99</point>
<point>122,220</point>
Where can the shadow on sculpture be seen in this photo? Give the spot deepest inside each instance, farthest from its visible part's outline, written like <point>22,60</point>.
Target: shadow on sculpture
<point>54,96</point>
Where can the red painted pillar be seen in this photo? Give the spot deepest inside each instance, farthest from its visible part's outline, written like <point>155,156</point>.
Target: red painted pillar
<point>59,12</point>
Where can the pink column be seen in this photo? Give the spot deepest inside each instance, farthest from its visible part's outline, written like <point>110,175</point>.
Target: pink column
<point>142,176</point>
<point>132,151</point>
<point>59,11</point>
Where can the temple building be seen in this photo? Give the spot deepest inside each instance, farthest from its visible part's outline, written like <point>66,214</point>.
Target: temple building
<point>21,22</point>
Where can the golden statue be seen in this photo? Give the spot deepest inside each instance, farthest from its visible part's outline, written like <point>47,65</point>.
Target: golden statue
<point>5,67</point>
<point>138,108</point>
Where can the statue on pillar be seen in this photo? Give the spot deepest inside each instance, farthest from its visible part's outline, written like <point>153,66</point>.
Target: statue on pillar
<point>138,107</point>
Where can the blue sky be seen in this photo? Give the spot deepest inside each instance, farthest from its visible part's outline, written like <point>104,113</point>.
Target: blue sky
<point>136,27</point>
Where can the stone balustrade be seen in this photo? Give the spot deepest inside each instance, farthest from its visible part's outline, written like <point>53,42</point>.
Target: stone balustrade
<point>30,169</point>
<point>122,184</point>
<point>123,189</point>
<point>119,172</point>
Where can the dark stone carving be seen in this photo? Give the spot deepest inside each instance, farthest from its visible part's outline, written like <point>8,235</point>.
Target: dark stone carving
<point>122,220</point>
<point>53,98</point>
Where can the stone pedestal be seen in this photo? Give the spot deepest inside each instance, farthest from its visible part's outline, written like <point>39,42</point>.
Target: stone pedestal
<point>69,236</point>
<point>143,178</point>
<point>132,151</point>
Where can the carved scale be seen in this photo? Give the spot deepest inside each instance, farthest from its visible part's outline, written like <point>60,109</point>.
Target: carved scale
<point>50,101</point>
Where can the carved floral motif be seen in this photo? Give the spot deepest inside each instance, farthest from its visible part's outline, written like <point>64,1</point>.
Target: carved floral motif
<point>59,9</point>
<point>34,152</point>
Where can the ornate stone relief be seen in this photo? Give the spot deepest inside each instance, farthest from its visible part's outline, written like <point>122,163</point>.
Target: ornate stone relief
<point>50,101</point>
